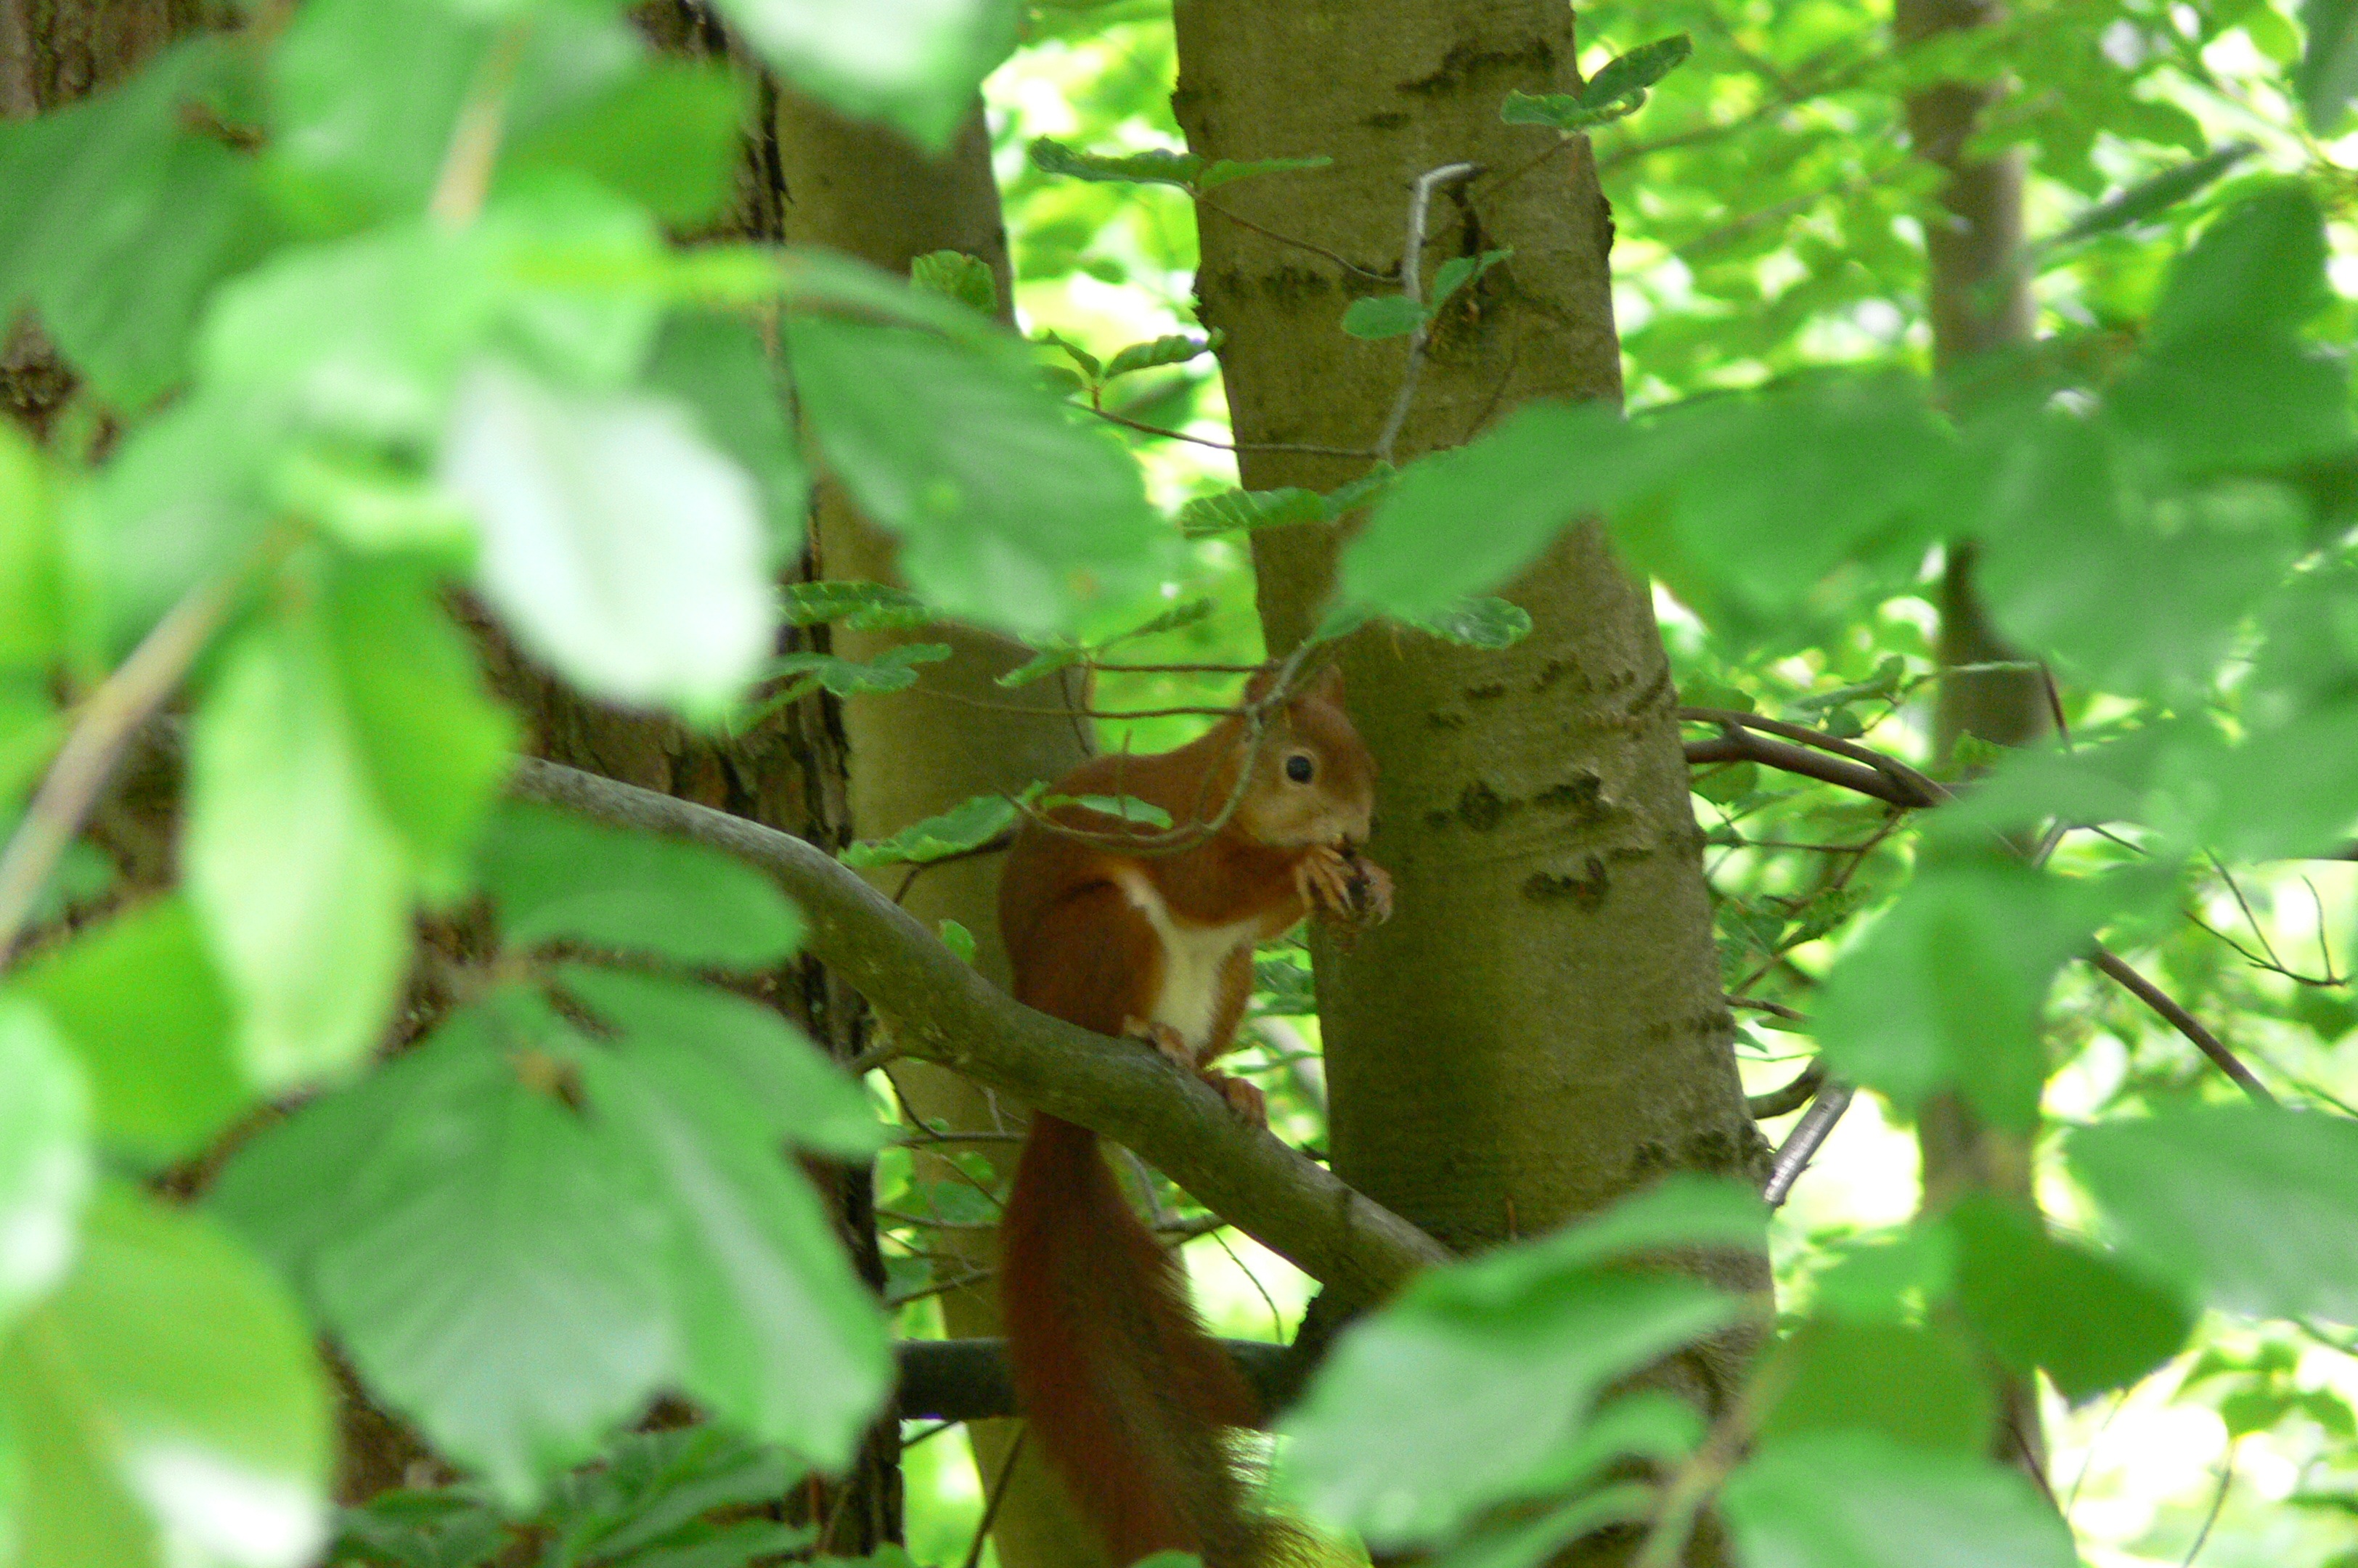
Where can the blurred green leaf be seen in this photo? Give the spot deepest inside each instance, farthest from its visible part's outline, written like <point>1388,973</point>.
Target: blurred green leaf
<point>1481,622</point>
<point>719,368</point>
<point>1472,1385</point>
<point>2089,1323</point>
<point>914,64</point>
<point>1129,810</point>
<point>559,878</point>
<point>139,1003</point>
<point>301,884</point>
<point>2328,77</point>
<point>1851,1499</point>
<point>1914,1386</point>
<point>117,216</point>
<point>2256,1210</point>
<point>2259,269</point>
<point>2148,197</point>
<point>1175,348</point>
<point>666,136</point>
<point>46,1170</point>
<point>166,1404</point>
<point>1228,172</point>
<point>32,611</point>
<point>619,544</point>
<point>1943,991</point>
<point>435,747</point>
<point>1009,512</point>
<point>1232,510</point>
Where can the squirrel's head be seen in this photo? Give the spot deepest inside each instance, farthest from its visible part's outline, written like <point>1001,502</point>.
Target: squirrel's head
<point>1312,780</point>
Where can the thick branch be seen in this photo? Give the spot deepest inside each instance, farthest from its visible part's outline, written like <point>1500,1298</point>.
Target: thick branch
<point>944,1012</point>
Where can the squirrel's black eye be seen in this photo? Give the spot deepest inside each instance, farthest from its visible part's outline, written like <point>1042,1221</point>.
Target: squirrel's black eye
<point>1299,767</point>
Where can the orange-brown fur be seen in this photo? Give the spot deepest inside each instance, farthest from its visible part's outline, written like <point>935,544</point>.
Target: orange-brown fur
<point>1122,1389</point>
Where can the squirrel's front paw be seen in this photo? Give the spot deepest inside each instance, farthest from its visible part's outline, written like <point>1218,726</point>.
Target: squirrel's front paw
<point>1246,1100</point>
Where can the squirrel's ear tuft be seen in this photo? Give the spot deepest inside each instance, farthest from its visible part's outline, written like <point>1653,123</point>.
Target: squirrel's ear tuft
<point>1326,685</point>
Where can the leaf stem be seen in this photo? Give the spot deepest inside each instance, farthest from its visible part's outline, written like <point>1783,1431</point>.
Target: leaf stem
<point>112,715</point>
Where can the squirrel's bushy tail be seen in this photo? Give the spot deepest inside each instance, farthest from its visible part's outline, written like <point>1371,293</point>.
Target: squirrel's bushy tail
<point>1120,1385</point>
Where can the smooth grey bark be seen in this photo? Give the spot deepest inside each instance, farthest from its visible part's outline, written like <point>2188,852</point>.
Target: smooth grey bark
<point>867,192</point>
<point>1539,1028</point>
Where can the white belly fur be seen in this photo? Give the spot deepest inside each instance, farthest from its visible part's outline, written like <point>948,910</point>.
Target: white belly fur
<point>1192,957</point>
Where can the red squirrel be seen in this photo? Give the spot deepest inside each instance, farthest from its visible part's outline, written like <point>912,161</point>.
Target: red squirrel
<point>1112,1369</point>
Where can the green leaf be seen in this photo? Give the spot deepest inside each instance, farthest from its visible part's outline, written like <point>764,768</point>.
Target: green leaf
<point>1914,1386</point>
<point>1851,1499</point>
<point>2256,1210</point>
<point>958,940</point>
<point>1232,510</point>
<point>1470,1387</point>
<point>1529,1543</point>
<point>1458,271</point>
<point>1943,990</point>
<point>118,219</point>
<point>420,1530</point>
<point>2259,268</point>
<point>719,367</point>
<point>1228,172</point>
<point>1481,622</point>
<point>139,1003</point>
<point>367,93</point>
<point>2328,77</point>
<point>434,745</point>
<point>778,1335</point>
<point>302,886</point>
<point>2077,564</point>
<point>860,606</point>
<point>1638,70</point>
<point>965,826</point>
<point>894,669</point>
<point>666,136</point>
<point>367,501</point>
<point>1127,809</point>
<point>2149,198</point>
<point>616,541</point>
<point>954,275</point>
<point>1152,167</point>
<point>1565,112</point>
<point>32,609</point>
<point>770,1069</point>
<point>915,64</point>
<point>556,877</point>
<point>2040,1303</point>
<point>45,1169</point>
<point>181,500</point>
<point>1417,556</point>
<point>1175,349</point>
<point>166,1404</point>
<point>488,1268</point>
<point>649,1487</point>
<point>1381,316</point>
<point>1009,512</point>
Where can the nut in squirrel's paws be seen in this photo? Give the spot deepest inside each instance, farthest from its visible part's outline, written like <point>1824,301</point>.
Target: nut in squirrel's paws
<point>1345,885</point>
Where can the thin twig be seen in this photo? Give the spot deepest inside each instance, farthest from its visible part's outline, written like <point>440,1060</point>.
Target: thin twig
<point>1419,201</point>
<point>998,1495</point>
<point>1035,712</point>
<point>2088,1460</point>
<point>465,178</point>
<point>2185,1023</point>
<point>1301,244</point>
<point>2218,1501</point>
<point>1792,1097</point>
<point>113,713</point>
<point>1170,434</point>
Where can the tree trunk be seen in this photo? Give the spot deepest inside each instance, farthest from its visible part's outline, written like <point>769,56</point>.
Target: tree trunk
<point>1978,297</point>
<point>866,191</point>
<point>1539,1028</point>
